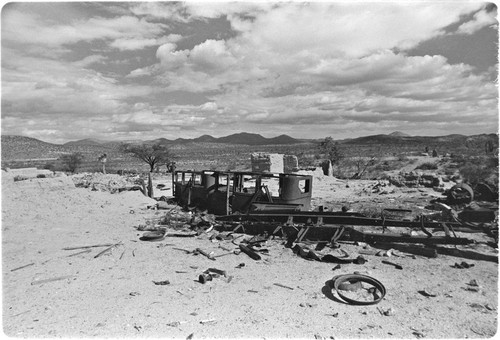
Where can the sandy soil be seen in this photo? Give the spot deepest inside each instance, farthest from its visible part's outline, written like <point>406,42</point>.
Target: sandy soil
<point>114,295</point>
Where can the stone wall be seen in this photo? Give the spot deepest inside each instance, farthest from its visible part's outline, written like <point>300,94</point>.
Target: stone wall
<point>291,164</point>
<point>267,162</point>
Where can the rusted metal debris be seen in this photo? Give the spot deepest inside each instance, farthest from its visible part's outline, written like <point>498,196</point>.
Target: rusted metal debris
<point>244,202</point>
<point>250,252</point>
<point>335,226</point>
<point>227,192</point>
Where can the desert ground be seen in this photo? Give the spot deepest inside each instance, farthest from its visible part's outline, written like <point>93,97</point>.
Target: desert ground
<point>49,291</point>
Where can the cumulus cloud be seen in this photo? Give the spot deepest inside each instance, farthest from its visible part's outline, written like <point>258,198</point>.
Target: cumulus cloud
<point>292,67</point>
<point>481,19</point>
<point>26,28</point>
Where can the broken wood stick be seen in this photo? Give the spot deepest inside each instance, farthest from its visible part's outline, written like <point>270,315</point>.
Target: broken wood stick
<point>180,234</point>
<point>85,247</point>
<point>81,252</point>
<point>26,265</point>
<point>38,282</point>
<point>250,252</point>
<point>184,250</point>
<point>208,321</point>
<point>283,286</point>
<point>205,254</point>
<point>107,249</point>
<point>224,248</point>
<point>26,311</point>
<point>398,266</point>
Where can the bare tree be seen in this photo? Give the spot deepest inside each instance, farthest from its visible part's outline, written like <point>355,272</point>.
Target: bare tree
<point>153,154</point>
<point>72,161</point>
<point>362,164</point>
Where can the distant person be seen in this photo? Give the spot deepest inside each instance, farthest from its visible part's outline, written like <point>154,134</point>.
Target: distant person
<point>103,159</point>
<point>171,167</point>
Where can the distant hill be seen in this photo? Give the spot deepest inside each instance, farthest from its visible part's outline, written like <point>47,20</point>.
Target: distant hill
<point>205,139</point>
<point>283,139</point>
<point>399,134</point>
<point>88,141</point>
<point>23,148</point>
<point>162,141</point>
<point>430,141</point>
<point>374,139</point>
<point>20,147</point>
<point>256,139</point>
<point>237,138</point>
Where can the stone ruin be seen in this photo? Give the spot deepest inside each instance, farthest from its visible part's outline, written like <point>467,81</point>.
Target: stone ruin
<point>274,163</point>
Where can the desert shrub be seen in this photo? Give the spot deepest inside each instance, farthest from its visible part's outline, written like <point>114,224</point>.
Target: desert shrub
<point>402,158</point>
<point>475,173</point>
<point>382,166</point>
<point>306,160</point>
<point>427,166</point>
<point>355,167</point>
<point>458,159</point>
<point>232,165</point>
<point>49,166</point>
<point>370,211</point>
<point>71,162</point>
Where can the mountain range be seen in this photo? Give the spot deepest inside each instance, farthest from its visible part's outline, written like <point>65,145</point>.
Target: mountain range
<point>20,147</point>
<point>243,138</point>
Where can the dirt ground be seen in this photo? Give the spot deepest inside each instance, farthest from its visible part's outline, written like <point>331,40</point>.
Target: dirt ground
<point>52,292</point>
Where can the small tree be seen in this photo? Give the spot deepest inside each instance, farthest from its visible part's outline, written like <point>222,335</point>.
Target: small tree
<point>71,162</point>
<point>153,154</point>
<point>332,150</point>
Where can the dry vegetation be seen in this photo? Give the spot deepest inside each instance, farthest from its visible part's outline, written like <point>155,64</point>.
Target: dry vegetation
<point>474,158</point>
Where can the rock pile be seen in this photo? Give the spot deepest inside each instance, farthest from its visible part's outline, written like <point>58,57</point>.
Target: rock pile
<point>104,182</point>
<point>414,179</point>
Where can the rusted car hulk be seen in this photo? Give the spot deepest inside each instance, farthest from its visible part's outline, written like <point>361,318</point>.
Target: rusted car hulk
<point>248,191</point>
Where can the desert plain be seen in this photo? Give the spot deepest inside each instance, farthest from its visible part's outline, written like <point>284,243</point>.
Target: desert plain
<point>53,288</point>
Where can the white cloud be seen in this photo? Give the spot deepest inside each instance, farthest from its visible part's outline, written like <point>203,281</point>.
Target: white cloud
<point>133,44</point>
<point>89,60</point>
<point>165,10</point>
<point>481,19</point>
<point>170,58</point>
<point>209,106</point>
<point>20,27</point>
<point>211,56</point>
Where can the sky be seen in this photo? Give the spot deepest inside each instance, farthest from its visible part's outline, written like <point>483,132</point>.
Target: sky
<point>145,70</point>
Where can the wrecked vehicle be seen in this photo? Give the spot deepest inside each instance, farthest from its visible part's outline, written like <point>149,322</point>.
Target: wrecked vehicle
<point>230,192</point>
